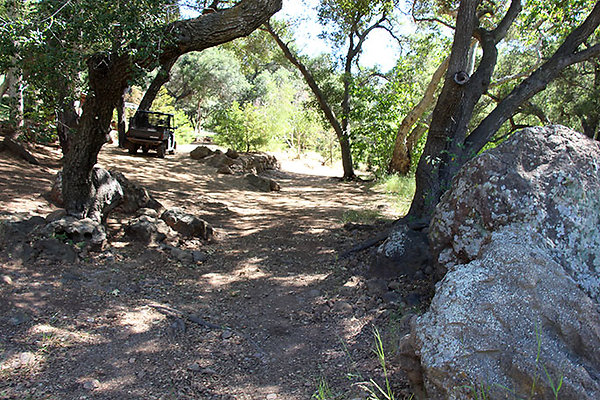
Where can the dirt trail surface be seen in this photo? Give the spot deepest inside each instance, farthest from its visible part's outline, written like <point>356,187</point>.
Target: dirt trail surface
<point>271,313</point>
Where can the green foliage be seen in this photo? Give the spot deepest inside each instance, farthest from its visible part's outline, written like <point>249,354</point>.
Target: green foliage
<point>377,392</point>
<point>242,128</point>
<point>400,189</point>
<point>366,216</point>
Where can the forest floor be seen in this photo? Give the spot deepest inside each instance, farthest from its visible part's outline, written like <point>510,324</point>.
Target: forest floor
<point>293,317</point>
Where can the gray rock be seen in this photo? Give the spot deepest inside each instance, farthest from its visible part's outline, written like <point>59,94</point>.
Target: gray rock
<point>150,212</point>
<point>342,307</point>
<point>225,170</point>
<point>85,230</point>
<point>377,287</point>
<point>134,195</point>
<point>227,334</point>
<point>218,160</point>
<point>520,302</point>
<point>261,183</point>
<point>148,230</point>
<point>183,256</point>
<point>187,224</point>
<point>404,252</point>
<point>232,154</point>
<point>91,384</point>
<point>56,250</point>
<point>199,256</point>
<point>19,318</point>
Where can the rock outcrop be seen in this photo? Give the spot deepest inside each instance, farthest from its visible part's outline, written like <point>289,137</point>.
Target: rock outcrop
<point>519,306</point>
<point>235,162</point>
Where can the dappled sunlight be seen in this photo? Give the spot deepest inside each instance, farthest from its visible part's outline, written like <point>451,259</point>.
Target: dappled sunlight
<point>140,320</point>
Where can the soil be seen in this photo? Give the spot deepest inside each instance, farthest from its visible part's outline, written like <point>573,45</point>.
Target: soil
<point>273,313</point>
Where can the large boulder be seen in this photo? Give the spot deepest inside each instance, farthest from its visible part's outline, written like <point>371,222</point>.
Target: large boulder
<point>86,231</point>
<point>200,152</point>
<point>262,183</point>
<point>518,309</point>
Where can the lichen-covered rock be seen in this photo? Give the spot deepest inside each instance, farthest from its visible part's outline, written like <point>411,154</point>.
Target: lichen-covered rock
<point>519,306</point>
<point>187,224</point>
<point>148,229</point>
<point>404,252</point>
<point>545,180</point>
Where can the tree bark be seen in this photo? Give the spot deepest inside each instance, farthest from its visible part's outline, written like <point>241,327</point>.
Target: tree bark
<point>67,121</point>
<point>159,80</point>
<point>401,157</point>
<point>108,78</point>
<point>121,120</point>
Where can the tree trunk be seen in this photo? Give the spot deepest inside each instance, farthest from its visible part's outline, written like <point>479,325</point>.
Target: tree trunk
<point>448,148</point>
<point>159,80</point>
<point>121,120</point>
<point>108,76</point>
<point>67,121</point>
<point>401,157</point>
<point>15,94</point>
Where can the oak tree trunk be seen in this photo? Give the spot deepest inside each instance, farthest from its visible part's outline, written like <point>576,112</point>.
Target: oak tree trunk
<point>108,78</point>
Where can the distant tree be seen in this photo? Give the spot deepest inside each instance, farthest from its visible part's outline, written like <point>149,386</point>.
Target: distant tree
<point>348,24</point>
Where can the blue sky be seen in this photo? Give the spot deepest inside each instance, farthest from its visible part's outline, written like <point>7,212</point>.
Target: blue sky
<point>379,49</point>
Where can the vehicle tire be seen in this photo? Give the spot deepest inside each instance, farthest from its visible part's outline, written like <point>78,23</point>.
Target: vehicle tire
<point>133,148</point>
<point>161,150</point>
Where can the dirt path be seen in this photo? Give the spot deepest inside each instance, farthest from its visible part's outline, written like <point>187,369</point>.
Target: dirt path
<point>117,325</point>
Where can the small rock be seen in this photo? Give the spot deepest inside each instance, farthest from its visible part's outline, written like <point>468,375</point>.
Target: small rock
<point>342,307</point>
<point>194,367</point>
<point>19,318</point>
<point>394,285</point>
<point>199,256</point>
<point>227,334</point>
<point>412,299</point>
<point>91,384</point>
<point>392,298</point>
<point>7,279</point>
<point>26,358</point>
<point>225,170</point>
<point>314,293</point>
<point>150,212</point>
<point>271,396</point>
<point>377,287</point>
<point>132,360</point>
<point>183,256</point>
<point>178,326</point>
